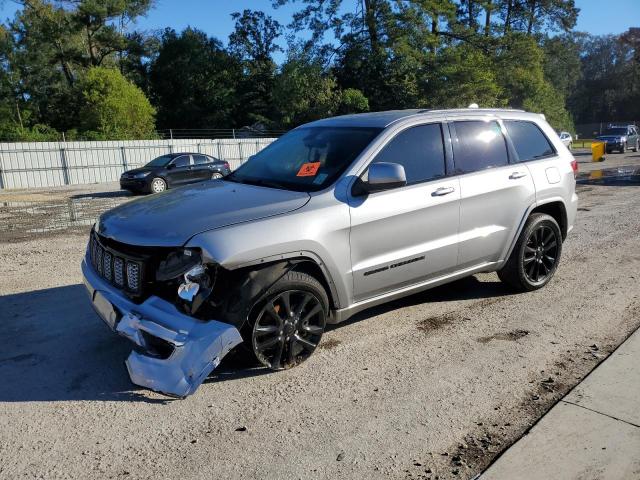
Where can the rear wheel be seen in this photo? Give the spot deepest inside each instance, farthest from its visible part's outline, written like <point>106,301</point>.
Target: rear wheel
<point>287,323</point>
<point>636,147</point>
<point>158,185</point>
<point>535,257</point>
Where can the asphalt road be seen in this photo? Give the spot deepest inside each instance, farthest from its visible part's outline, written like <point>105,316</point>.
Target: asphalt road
<point>431,386</point>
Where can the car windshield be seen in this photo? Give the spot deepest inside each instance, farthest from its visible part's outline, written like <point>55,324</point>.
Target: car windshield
<point>615,131</point>
<point>160,161</point>
<point>306,159</point>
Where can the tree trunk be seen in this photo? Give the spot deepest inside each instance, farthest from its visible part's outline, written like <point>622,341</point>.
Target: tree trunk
<point>370,20</point>
<point>487,18</point>
<point>507,18</point>
<point>532,16</point>
<point>472,19</point>
<point>434,31</point>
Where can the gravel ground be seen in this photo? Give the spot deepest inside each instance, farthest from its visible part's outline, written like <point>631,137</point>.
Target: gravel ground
<point>431,386</point>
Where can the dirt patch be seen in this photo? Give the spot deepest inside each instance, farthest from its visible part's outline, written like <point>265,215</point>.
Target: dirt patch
<point>330,344</point>
<point>437,322</point>
<point>511,336</point>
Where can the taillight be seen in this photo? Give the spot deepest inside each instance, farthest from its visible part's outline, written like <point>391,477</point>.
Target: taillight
<point>574,167</point>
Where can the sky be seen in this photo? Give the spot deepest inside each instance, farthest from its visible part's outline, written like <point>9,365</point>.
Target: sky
<point>597,17</point>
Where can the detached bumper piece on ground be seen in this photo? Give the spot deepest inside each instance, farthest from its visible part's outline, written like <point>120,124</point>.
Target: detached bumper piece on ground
<point>173,352</point>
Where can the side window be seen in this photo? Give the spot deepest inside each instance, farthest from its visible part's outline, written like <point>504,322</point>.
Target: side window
<point>420,150</point>
<point>201,159</point>
<point>182,161</point>
<point>528,140</point>
<point>479,145</point>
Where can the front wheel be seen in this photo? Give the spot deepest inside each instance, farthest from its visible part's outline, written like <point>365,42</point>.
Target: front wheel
<point>623,149</point>
<point>287,323</point>
<point>216,176</point>
<point>536,255</point>
<point>158,185</point>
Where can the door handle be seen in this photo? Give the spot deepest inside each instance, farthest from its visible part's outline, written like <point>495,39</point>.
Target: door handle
<point>517,175</point>
<point>442,191</point>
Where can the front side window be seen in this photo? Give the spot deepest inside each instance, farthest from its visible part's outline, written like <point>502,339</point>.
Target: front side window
<point>529,142</point>
<point>420,150</point>
<point>182,161</point>
<point>306,159</point>
<point>162,161</point>
<point>479,145</point>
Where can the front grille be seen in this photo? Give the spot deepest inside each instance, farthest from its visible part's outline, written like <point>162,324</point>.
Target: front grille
<point>115,267</point>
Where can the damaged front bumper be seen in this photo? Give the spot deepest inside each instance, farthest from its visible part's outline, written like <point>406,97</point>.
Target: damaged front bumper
<point>189,348</point>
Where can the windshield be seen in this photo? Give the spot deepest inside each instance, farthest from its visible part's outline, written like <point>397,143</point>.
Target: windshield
<point>160,161</point>
<point>615,131</point>
<point>305,159</point>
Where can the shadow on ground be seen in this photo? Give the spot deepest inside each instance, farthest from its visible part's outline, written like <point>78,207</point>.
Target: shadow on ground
<point>116,194</point>
<point>56,349</point>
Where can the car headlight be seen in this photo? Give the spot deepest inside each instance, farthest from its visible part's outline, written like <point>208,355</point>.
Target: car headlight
<point>141,174</point>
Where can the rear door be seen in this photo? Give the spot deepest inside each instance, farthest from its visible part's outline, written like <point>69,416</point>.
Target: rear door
<point>494,194</point>
<point>202,167</point>
<point>405,235</point>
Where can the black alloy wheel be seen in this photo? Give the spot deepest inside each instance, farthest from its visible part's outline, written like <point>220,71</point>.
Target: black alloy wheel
<point>535,256</point>
<point>288,328</point>
<point>540,254</point>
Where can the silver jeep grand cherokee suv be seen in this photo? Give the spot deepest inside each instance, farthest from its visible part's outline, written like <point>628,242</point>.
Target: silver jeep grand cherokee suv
<point>334,217</point>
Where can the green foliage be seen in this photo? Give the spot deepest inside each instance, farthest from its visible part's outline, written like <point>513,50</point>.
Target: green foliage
<point>113,107</point>
<point>193,81</point>
<point>73,66</point>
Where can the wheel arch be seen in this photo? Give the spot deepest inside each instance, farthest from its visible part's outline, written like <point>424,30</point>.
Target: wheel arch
<point>558,211</point>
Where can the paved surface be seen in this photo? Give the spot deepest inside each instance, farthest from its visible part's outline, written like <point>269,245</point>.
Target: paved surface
<point>592,433</point>
<point>434,385</point>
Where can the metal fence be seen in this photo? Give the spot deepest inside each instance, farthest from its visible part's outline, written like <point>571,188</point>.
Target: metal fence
<point>51,164</point>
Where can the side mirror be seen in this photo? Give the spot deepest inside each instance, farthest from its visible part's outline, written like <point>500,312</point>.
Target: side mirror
<point>382,176</point>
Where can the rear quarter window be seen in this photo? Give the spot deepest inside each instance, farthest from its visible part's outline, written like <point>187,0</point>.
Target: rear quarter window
<point>528,140</point>
<point>479,145</point>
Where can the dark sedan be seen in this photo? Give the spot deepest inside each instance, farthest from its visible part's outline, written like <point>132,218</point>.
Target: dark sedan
<point>173,170</point>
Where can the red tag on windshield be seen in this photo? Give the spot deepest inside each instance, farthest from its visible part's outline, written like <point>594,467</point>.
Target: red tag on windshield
<point>308,169</point>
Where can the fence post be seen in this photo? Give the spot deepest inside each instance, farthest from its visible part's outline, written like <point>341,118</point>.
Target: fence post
<point>124,158</point>
<point>65,166</point>
<point>219,154</point>
<point>240,152</point>
<point>199,151</point>
<point>233,132</point>
<point>2,182</point>
<point>171,133</point>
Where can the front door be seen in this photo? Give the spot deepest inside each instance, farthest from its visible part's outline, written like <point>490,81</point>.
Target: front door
<point>180,171</point>
<point>406,235</point>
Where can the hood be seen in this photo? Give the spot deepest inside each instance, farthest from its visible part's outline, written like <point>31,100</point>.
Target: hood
<point>171,218</point>
<point>139,170</point>
<point>611,137</point>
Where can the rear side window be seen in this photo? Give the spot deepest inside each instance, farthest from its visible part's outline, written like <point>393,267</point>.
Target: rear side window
<point>200,159</point>
<point>420,150</point>
<point>528,140</point>
<point>182,161</point>
<point>479,145</point>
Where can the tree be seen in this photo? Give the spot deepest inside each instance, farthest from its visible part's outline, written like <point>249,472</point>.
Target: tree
<point>193,81</point>
<point>113,107</point>
<point>252,43</point>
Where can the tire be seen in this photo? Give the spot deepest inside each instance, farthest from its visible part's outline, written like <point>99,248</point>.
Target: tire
<point>570,146</point>
<point>536,255</point>
<point>287,322</point>
<point>157,185</point>
<point>623,149</point>
<point>635,149</point>
<point>216,176</point>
